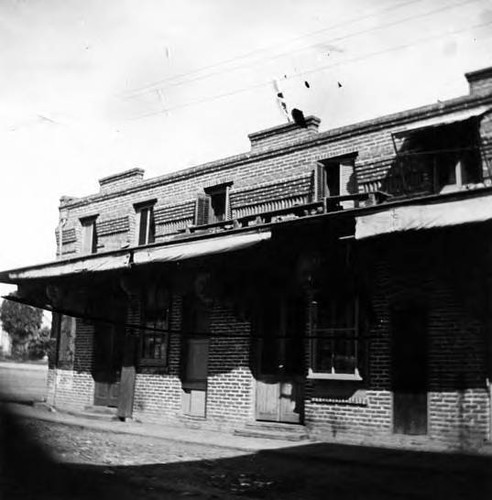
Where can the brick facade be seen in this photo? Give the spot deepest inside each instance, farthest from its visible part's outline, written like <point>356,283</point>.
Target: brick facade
<point>436,268</point>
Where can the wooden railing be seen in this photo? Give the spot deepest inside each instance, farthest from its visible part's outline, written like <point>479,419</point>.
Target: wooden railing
<point>329,204</point>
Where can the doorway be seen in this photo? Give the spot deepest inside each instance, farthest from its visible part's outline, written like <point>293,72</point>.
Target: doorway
<point>409,369</point>
<point>194,360</point>
<point>280,381</point>
<point>108,358</point>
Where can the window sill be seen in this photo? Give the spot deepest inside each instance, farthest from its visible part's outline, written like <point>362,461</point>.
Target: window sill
<point>354,377</point>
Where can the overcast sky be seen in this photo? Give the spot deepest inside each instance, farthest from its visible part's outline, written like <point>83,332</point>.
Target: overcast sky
<point>93,87</point>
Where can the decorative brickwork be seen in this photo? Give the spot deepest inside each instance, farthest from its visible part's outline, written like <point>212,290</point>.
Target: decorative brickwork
<point>113,226</point>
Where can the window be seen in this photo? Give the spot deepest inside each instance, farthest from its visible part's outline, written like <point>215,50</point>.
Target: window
<point>145,224</point>
<point>335,349</point>
<point>156,318</point>
<point>437,159</point>
<point>334,177</point>
<point>89,235</point>
<point>213,205</point>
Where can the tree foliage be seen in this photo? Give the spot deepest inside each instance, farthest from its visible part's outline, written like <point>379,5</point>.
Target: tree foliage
<point>39,346</point>
<point>21,322</point>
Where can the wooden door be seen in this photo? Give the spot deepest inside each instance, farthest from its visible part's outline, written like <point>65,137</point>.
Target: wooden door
<point>195,377</point>
<point>409,370</point>
<point>279,385</point>
<point>108,356</point>
<point>194,362</point>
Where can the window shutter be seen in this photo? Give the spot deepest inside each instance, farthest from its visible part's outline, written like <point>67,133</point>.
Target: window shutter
<point>151,238</point>
<point>202,211</point>
<point>319,182</point>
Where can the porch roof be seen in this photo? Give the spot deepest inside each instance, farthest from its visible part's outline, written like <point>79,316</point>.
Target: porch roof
<point>124,259</point>
<point>453,209</point>
<point>447,119</point>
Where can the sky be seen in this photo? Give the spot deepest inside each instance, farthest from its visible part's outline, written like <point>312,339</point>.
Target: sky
<point>89,88</point>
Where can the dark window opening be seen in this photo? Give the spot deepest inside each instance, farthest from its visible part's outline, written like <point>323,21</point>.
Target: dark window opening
<point>156,317</point>
<point>89,235</point>
<point>146,225</point>
<point>213,205</point>
<point>335,177</point>
<point>336,347</point>
<point>438,159</point>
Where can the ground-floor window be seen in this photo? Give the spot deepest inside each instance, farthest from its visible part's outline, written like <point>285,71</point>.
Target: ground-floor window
<point>156,316</point>
<point>335,345</point>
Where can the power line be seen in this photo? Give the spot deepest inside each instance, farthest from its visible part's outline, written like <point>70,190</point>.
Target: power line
<point>159,86</point>
<point>314,70</point>
<point>247,55</point>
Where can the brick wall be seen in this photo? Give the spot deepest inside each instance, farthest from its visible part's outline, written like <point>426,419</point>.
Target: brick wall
<point>229,386</point>
<point>371,143</point>
<point>74,389</point>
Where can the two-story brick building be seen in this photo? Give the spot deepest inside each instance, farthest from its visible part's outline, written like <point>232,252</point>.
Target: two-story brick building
<point>331,283</point>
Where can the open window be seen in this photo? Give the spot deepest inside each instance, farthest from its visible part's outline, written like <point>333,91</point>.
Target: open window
<point>213,205</point>
<point>333,176</point>
<point>436,159</point>
<point>89,235</point>
<point>145,223</point>
<point>156,317</point>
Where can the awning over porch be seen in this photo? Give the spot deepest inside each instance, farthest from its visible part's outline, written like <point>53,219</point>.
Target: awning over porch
<point>424,216</point>
<point>169,252</point>
<point>448,119</point>
<point>189,250</point>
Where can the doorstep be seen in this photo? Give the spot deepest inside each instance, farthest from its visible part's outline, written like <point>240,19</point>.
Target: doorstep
<point>273,430</point>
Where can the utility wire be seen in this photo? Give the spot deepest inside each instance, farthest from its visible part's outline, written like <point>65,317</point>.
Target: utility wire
<point>159,85</point>
<point>314,70</point>
<point>151,87</point>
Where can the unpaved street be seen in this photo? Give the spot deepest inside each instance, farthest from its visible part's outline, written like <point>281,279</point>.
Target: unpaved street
<point>109,465</point>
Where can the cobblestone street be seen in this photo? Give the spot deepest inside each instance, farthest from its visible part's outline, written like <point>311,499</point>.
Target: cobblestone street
<point>97,464</point>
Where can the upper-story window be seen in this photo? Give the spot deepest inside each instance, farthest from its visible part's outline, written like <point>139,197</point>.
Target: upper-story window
<point>213,205</point>
<point>334,176</point>
<point>145,223</point>
<point>436,159</point>
<point>89,235</point>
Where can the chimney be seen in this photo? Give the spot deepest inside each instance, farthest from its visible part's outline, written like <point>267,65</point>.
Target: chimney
<point>480,81</point>
<point>284,135</point>
<point>123,180</point>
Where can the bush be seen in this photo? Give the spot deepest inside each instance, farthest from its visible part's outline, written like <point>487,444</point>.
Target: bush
<point>39,346</point>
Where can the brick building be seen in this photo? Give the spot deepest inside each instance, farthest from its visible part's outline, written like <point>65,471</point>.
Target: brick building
<point>331,283</point>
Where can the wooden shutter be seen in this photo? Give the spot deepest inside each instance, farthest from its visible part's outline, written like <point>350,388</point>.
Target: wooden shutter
<point>202,211</point>
<point>319,182</point>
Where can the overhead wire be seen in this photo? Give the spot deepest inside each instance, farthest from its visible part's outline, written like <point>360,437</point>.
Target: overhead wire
<point>159,85</point>
<point>313,70</point>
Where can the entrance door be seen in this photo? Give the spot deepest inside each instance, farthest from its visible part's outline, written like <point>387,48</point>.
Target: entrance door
<point>279,386</point>
<point>108,357</point>
<point>409,373</point>
<point>194,362</point>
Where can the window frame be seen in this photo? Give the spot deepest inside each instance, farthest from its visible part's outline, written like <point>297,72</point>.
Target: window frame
<point>151,329</point>
<point>149,236</point>
<point>88,234</point>
<point>212,193</point>
<point>313,372</point>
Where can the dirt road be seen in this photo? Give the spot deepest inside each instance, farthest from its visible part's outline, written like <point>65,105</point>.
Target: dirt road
<point>98,464</point>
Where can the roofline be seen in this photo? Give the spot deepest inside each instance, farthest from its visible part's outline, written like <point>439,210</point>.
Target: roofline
<point>366,126</point>
<point>353,212</point>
